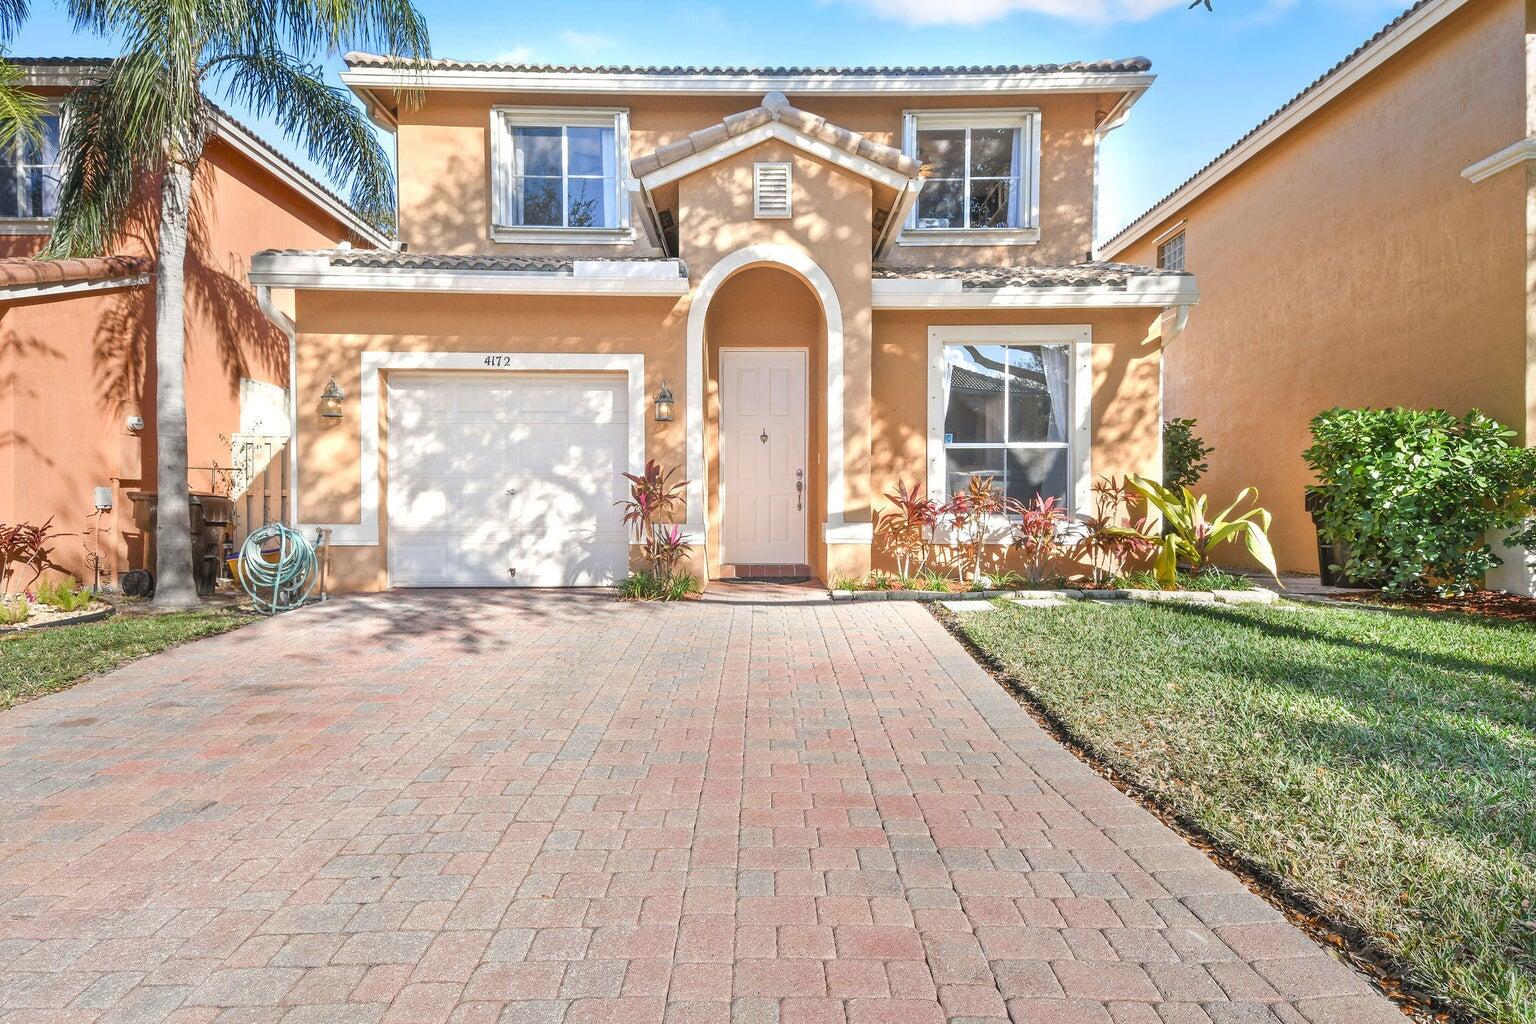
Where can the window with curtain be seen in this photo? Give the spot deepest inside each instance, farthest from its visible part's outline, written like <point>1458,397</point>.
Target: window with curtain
<point>980,170</point>
<point>29,174</point>
<point>1006,415</point>
<point>559,171</point>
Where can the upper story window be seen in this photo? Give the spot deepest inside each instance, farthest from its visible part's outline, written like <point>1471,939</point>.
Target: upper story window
<point>982,171</point>
<point>557,174</point>
<point>29,175</point>
<point>1170,253</point>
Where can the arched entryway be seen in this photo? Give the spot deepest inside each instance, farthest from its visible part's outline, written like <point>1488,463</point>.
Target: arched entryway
<point>765,344</point>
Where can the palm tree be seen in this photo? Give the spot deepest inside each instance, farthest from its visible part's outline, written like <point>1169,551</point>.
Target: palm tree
<point>147,120</point>
<point>21,110</point>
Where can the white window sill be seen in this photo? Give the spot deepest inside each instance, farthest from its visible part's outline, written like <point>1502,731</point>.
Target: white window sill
<point>999,531</point>
<point>562,236</point>
<point>969,236</point>
<point>26,225</point>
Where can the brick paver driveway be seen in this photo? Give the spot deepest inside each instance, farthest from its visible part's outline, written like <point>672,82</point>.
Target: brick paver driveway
<point>545,808</point>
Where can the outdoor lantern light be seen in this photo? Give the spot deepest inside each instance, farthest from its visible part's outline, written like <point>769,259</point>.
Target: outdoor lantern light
<point>330,401</point>
<point>664,404</point>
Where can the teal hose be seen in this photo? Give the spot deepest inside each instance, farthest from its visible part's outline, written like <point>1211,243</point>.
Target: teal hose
<point>286,583</point>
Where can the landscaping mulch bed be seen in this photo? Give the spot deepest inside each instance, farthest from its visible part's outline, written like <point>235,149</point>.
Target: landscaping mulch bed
<point>1489,604</point>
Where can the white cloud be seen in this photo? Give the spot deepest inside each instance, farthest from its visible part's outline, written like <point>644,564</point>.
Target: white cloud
<point>516,55</point>
<point>586,42</point>
<point>980,12</point>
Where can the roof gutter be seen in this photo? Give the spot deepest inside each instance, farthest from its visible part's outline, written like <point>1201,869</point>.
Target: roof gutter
<point>658,278</point>
<point>951,293</point>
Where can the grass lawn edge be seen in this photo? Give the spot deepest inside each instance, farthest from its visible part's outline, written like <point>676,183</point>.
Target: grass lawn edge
<point>1355,946</point>
<point>8,702</point>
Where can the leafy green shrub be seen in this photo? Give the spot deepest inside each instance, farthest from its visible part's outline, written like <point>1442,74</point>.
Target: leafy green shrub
<point>1184,454</point>
<point>1410,493</point>
<point>64,595</point>
<point>650,586</point>
<point>14,611</point>
<point>1190,534</point>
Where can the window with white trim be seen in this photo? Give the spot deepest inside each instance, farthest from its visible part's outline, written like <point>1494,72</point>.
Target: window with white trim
<point>982,170</point>
<point>558,170</point>
<point>29,175</point>
<point>1170,254</point>
<point>1011,402</point>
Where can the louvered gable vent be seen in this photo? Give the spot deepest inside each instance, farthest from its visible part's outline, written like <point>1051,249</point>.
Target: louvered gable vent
<point>770,190</point>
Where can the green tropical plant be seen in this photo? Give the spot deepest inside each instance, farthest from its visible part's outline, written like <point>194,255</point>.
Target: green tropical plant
<point>147,120</point>
<point>14,611</point>
<point>1184,454</point>
<point>1412,493</point>
<point>65,595</point>
<point>649,586</point>
<point>21,108</point>
<point>1191,534</point>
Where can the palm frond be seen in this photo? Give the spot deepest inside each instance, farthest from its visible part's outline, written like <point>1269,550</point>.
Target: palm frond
<point>21,110</point>
<point>332,129</point>
<point>331,26</point>
<point>102,165</point>
<point>12,14</point>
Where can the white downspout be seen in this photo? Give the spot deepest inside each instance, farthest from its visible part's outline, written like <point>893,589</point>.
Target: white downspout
<point>290,331</point>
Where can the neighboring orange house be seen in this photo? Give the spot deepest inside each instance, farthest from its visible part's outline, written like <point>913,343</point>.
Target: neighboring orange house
<point>1368,244</point>
<point>77,336</point>
<point>798,286</point>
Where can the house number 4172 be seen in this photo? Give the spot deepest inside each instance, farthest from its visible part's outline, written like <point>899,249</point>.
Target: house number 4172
<point>496,362</point>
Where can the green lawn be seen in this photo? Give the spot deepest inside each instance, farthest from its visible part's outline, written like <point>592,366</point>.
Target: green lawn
<point>41,661</point>
<point>1383,764</point>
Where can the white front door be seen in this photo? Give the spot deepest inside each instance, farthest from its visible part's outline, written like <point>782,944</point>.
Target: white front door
<point>764,475</point>
<point>506,479</point>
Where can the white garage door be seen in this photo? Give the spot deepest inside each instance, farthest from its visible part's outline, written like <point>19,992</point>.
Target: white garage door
<point>506,479</point>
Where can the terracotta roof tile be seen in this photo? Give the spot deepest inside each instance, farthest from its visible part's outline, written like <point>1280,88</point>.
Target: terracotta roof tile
<point>22,273</point>
<point>387,259</point>
<point>1129,65</point>
<point>776,107</point>
<point>1076,275</point>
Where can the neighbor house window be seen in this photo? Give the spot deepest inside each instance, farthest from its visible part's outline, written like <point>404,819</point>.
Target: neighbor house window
<point>558,170</point>
<point>1010,403</point>
<point>29,175</point>
<point>981,169</point>
<point>1170,254</point>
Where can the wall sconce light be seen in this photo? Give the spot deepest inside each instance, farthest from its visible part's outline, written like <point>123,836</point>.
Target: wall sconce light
<point>664,403</point>
<point>330,401</point>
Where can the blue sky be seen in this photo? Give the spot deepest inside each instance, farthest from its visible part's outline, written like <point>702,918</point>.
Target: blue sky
<point>1218,72</point>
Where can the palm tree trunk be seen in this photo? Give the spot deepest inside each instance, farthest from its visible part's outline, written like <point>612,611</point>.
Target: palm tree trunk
<point>174,585</point>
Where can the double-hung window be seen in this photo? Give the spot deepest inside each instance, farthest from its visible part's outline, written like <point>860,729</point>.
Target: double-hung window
<point>1010,403</point>
<point>557,173</point>
<point>29,175</point>
<point>982,176</point>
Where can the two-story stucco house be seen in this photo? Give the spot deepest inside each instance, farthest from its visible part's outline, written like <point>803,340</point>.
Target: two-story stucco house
<point>798,286</point>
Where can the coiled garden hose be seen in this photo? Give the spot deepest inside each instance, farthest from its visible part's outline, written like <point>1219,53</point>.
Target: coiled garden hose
<point>277,586</point>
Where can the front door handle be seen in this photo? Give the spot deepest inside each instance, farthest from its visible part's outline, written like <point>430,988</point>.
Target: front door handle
<point>799,488</point>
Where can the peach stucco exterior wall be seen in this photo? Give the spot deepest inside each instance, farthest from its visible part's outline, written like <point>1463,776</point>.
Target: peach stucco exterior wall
<point>1125,426</point>
<point>77,367</point>
<point>444,156</point>
<point>1351,264</point>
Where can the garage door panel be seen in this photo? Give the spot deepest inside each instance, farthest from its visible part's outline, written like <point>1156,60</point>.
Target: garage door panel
<point>459,442</point>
